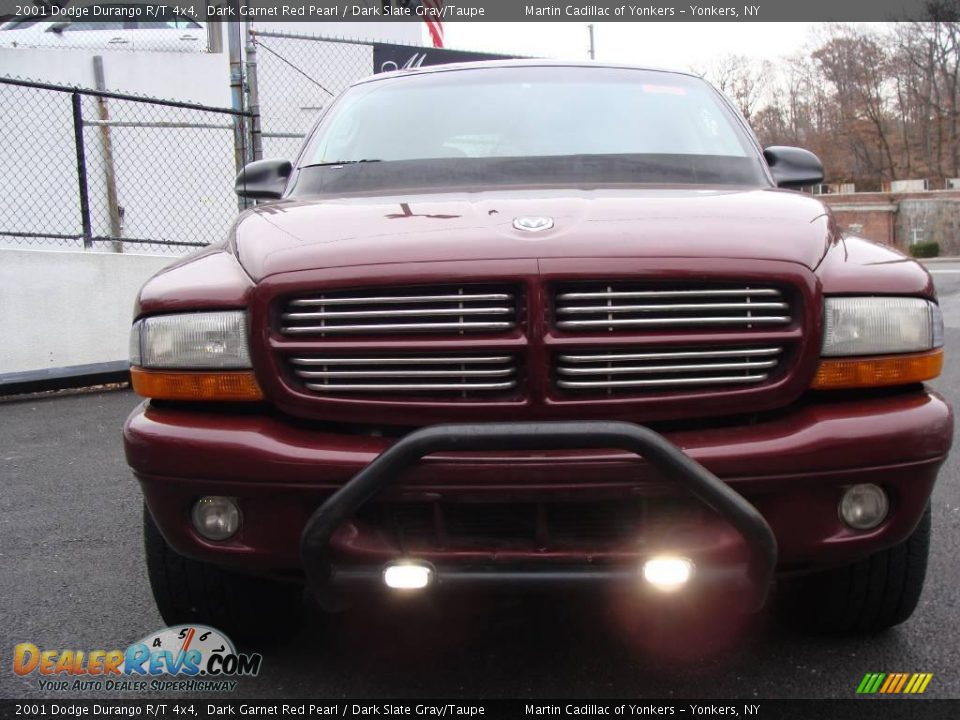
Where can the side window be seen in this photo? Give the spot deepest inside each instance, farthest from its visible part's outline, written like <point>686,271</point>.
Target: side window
<point>167,25</point>
<point>83,26</point>
<point>19,24</point>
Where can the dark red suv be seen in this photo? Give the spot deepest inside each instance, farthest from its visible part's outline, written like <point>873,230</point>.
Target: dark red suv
<point>530,322</point>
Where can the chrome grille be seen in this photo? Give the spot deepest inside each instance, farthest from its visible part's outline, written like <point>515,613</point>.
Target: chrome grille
<point>624,306</point>
<point>461,373</point>
<point>665,369</point>
<point>446,309</point>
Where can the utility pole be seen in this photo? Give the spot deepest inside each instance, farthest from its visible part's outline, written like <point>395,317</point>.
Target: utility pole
<point>214,36</point>
<point>593,55</point>
<point>109,170</point>
<point>237,100</point>
<point>253,96</point>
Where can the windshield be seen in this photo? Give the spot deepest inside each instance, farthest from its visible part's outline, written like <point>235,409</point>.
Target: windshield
<point>529,112</point>
<point>484,126</point>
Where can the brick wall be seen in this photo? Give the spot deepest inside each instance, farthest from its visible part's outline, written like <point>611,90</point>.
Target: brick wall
<point>899,219</point>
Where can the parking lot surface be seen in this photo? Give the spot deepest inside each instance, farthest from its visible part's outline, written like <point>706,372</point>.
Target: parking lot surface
<point>73,576</point>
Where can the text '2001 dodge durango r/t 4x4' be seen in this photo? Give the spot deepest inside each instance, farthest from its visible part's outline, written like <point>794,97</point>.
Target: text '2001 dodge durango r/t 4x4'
<point>512,322</point>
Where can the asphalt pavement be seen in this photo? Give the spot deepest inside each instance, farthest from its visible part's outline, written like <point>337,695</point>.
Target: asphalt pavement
<point>72,576</point>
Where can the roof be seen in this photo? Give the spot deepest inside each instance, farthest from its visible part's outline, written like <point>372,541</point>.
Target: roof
<point>526,62</point>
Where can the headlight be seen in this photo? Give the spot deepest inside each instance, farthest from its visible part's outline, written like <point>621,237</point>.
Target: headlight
<point>214,340</point>
<point>879,325</point>
<point>878,341</point>
<point>193,356</point>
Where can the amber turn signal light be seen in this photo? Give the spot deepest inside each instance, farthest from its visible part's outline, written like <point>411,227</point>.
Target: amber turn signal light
<point>843,373</point>
<point>186,385</point>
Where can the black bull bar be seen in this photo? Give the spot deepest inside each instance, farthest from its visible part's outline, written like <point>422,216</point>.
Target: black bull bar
<point>654,448</point>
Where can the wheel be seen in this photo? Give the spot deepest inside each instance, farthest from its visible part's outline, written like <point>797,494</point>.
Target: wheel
<point>871,595</point>
<point>243,606</point>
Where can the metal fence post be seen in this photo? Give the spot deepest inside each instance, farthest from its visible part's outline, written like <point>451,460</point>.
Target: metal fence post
<point>237,101</point>
<point>81,170</point>
<point>253,95</point>
<point>214,36</point>
<point>106,146</point>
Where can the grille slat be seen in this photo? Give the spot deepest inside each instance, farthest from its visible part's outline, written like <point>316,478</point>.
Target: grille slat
<point>502,372</point>
<point>663,382</point>
<point>623,306</point>
<point>681,307</point>
<point>668,322</point>
<point>400,300</point>
<point>652,369</point>
<point>672,355</point>
<point>357,314</point>
<point>409,387</point>
<point>435,360</point>
<point>685,368</point>
<point>397,327</point>
<point>664,294</point>
<point>442,309</point>
<point>371,374</point>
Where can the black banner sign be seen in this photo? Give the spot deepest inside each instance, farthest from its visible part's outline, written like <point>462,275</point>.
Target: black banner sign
<point>174,709</point>
<point>387,57</point>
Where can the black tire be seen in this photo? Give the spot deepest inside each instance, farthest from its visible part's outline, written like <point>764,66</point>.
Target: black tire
<point>869,596</point>
<point>243,606</point>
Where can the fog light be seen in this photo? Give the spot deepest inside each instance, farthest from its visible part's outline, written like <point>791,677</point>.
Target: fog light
<point>407,575</point>
<point>668,573</point>
<point>863,507</point>
<point>216,518</point>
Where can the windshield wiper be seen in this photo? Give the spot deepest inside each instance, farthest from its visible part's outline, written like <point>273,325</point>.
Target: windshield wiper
<point>338,162</point>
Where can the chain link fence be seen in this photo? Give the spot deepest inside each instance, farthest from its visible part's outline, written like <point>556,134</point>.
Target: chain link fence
<point>297,77</point>
<point>113,172</point>
<point>123,173</point>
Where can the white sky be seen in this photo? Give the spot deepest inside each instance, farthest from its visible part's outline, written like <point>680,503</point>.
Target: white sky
<point>680,45</point>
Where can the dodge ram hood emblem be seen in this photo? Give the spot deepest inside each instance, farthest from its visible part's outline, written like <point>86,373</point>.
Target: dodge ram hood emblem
<point>533,223</point>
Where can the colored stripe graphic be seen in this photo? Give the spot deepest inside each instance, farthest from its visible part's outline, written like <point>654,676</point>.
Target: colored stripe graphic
<point>891,681</point>
<point>894,683</point>
<point>870,683</point>
<point>903,680</point>
<point>915,681</point>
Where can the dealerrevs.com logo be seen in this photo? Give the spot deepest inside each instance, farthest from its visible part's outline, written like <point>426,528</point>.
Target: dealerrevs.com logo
<point>185,658</point>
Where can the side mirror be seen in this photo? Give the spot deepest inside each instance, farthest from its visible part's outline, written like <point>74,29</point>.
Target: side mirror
<point>263,179</point>
<point>57,27</point>
<point>793,167</point>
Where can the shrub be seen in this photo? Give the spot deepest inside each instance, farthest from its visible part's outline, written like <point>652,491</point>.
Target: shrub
<point>925,249</point>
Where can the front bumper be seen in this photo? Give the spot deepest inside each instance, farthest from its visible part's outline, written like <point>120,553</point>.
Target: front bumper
<point>792,468</point>
<point>760,543</point>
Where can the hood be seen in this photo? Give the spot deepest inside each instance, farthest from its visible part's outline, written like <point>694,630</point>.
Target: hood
<point>316,233</point>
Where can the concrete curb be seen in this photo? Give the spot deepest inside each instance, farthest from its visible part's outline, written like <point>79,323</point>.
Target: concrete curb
<point>76,376</point>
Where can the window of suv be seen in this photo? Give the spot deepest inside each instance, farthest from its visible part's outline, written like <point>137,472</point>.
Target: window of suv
<point>529,124</point>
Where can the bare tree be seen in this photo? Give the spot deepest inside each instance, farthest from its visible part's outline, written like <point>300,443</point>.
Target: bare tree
<point>875,104</point>
<point>741,79</point>
<point>856,64</point>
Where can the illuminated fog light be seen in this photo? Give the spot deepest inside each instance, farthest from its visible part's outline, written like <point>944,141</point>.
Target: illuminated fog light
<point>863,507</point>
<point>216,518</point>
<point>668,573</point>
<point>407,575</point>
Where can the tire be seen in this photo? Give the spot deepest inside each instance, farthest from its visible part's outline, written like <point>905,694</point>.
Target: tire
<point>869,596</point>
<point>243,606</point>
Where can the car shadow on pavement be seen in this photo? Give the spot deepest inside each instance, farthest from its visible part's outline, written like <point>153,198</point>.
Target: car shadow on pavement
<point>541,644</point>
